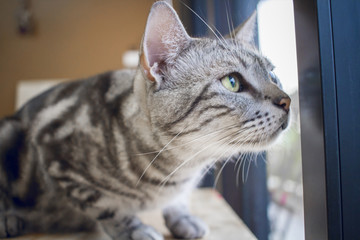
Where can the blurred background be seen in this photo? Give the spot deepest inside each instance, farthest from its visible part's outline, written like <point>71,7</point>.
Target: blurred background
<point>52,39</point>
<point>45,41</point>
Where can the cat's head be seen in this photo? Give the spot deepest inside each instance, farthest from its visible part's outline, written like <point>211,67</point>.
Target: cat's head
<point>220,90</point>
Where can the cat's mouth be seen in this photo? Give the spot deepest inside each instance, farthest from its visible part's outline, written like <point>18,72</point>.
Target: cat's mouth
<point>277,132</point>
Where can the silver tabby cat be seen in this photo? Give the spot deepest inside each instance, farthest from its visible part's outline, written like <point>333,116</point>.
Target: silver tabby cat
<point>91,154</point>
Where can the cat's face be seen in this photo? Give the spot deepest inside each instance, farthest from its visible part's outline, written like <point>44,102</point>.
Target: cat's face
<point>221,91</point>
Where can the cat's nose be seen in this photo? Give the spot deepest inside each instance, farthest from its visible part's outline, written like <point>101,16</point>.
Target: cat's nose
<point>284,103</point>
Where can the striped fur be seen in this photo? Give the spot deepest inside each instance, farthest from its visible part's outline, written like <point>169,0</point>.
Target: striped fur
<point>94,152</point>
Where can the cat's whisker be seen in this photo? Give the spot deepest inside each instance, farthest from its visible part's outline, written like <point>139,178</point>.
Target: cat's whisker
<point>240,160</point>
<point>215,162</point>
<point>232,28</point>
<point>237,161</point>
<point>251,159</point>
<point>246,160</point>
<point>232,31</point>
<point>228,135</point>
<point>228,20</point>
<point>264,159</point>
<point>226,44</point>
<point>152,161</point>
<point>237,175</point>
<point>207,25</point>
<point>235,134</point>
<point>241,134</point>
<point>191,141</point>
<point>222,37</point>
<point>256,159</point>
<point>231,25</point>
<point>220,171</point>
<point>239,138</point>
<point>163,182</point>
<point>210,134</point>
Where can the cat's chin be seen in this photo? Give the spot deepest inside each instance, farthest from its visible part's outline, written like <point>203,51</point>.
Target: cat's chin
<point>267,142</point>
<point>257,147</point>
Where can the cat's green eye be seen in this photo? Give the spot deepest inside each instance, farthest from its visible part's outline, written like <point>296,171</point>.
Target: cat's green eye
<point>232,83</point>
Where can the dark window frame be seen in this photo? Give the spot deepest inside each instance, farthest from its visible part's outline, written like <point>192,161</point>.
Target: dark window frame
<point>332,176</point>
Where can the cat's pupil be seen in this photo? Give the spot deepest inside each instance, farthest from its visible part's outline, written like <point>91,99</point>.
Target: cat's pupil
<point>232,81</point>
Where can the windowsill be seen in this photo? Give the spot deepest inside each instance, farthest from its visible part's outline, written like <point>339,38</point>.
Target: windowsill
<point>205,203</point>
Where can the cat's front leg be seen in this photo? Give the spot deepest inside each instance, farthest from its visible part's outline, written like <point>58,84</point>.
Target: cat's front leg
<point>129,228</point>
<point>182,224</point>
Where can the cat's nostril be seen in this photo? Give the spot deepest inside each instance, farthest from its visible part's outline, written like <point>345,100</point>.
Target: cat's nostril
<point>284,103</point>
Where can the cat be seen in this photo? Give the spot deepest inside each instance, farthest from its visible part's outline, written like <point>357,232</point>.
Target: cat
<point>91,154</point>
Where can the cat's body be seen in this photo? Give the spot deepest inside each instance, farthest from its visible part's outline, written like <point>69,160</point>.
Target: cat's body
<point>96,152</point>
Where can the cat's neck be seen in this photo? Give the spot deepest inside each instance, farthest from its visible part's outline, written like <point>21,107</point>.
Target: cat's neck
<point>192,160</point>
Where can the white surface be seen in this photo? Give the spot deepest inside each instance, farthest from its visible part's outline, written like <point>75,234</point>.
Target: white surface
<point>130,59</point>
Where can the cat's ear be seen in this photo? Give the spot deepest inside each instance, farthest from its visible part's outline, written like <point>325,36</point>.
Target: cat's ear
<point>247,30</point>
<point>164,37</point>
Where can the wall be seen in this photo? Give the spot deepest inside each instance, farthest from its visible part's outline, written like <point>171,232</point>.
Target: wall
<point>73,39</point>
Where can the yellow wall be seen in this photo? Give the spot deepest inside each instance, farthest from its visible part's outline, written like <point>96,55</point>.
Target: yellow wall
<point>73,39</point>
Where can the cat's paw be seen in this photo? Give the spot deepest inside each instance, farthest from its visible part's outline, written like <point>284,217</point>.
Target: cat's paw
<point>145,232</point>
<point>188,227</point>
<point>131,228</point>
<point>10,226</point>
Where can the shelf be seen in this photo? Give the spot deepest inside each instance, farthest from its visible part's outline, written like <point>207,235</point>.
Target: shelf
<point>205,203</point>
